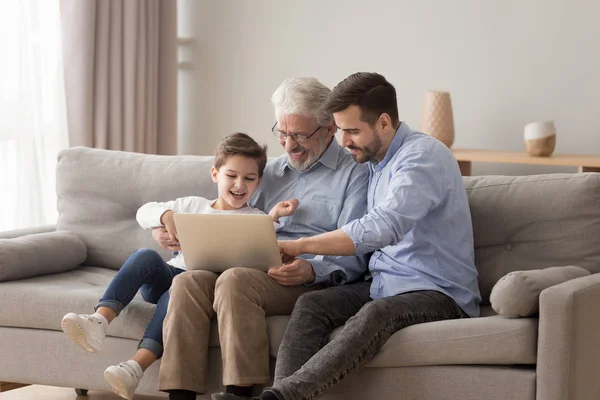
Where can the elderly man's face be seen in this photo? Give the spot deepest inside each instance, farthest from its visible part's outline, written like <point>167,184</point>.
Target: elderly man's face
<point>302,155</point>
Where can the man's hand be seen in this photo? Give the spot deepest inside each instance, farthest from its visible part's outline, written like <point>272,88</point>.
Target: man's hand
<point>284,209</point>
<point>289,249</point>
<point>162,237</point>
<point>296,273</point>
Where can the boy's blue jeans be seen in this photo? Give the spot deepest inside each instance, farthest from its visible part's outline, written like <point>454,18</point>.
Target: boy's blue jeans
<point>146,271</point>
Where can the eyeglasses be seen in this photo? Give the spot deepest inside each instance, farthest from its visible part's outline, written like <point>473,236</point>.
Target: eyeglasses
<point>296,137</point>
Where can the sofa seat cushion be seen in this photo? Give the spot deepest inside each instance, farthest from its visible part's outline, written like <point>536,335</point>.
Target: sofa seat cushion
<point>41,302</point>
<point>491,339</point>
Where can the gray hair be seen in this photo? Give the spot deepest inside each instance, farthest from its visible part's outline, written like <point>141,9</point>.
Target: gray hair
<point>302,96</point>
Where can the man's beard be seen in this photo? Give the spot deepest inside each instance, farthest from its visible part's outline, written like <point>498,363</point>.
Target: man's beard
<point>369,152</point>
<point>310,159</point>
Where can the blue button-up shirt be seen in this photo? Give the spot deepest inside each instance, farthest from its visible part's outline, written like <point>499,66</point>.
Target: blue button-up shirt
<point>332,192</point>
<point>418,223</point>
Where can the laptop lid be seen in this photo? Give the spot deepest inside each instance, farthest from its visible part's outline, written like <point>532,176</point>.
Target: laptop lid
<point>216,242</point>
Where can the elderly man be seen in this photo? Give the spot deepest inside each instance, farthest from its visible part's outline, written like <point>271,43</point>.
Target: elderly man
<point>418,227</point>
<point>331,189</point>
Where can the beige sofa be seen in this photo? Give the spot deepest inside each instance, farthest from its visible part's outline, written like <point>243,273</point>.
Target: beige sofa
<point>520,223</point>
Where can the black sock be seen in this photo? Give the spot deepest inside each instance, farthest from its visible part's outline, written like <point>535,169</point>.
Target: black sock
<point>178,394</point>
<point>245,391</point>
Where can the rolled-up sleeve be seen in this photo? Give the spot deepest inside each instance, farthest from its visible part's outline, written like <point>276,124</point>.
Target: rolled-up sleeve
<point>415,189</point>
<point>148,215</point>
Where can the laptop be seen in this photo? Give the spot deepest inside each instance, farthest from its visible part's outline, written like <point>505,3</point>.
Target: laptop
<point>216,242</point>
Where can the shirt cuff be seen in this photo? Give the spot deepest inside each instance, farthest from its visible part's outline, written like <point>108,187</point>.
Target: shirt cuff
<point>325,272</point>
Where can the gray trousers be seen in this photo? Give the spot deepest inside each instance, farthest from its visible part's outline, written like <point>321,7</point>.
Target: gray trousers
<point>308,363</point>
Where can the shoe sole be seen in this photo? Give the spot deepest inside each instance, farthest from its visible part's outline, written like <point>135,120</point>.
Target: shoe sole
<point>117,385</point>
<point>73,330</point>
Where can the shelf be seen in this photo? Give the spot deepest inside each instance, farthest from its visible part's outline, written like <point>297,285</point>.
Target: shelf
<point>465,157</point>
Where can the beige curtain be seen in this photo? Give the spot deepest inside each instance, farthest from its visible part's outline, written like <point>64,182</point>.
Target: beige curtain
<point>120,63</point>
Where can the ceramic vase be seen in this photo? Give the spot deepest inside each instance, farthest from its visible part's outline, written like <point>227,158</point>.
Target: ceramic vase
<point>436,117</point>
<point>540,138</point>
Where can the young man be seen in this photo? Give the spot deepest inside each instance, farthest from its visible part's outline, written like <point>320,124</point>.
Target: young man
<point>418,227</point>
<point>242,298</point>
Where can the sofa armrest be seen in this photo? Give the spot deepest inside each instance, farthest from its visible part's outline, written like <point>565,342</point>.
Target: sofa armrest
<point>27,231</point>
<point>568,348</point>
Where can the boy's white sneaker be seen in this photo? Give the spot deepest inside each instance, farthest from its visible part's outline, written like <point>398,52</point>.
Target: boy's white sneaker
<point>87,331</point>
<point>124,378</point>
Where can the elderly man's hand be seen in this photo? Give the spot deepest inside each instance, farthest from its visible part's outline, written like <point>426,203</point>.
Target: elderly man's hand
<point>164,239</point>
<point>289,250</point>
<point>295,273</point>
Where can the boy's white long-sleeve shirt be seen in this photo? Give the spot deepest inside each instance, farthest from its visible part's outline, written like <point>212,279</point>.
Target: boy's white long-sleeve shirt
<point>148,215</point>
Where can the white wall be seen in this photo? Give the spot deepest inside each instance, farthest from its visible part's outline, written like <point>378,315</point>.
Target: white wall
<point>505,62</point>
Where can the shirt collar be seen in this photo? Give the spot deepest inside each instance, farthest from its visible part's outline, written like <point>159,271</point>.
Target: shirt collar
<point>401,134</point>
<point>329,158</point>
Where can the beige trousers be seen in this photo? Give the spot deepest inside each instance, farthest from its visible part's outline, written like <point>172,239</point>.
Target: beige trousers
<point>242,299</point>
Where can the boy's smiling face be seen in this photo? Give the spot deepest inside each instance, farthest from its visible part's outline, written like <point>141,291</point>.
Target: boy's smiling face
<point>237,180</point>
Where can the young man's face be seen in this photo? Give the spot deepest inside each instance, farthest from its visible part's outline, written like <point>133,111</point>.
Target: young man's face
<point>236,180</point>
<point>302,155</point>
<point>363,141</point>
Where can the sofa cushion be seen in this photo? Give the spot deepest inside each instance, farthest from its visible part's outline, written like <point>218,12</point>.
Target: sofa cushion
<point>99,192</point>
<point>485,340</point>
<point>40,253</point>
<point>533,222</point>
<point>41,302</point>
<point>517,294</point>
<point>489,339</point>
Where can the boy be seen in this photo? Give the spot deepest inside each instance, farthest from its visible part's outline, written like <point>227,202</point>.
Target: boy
<point>238,167</point>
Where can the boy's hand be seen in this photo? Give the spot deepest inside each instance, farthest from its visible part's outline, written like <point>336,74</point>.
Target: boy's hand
<point>167,220</point>
<point>295,273</point>
<point>162,237</point>
<point>284,209</point>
